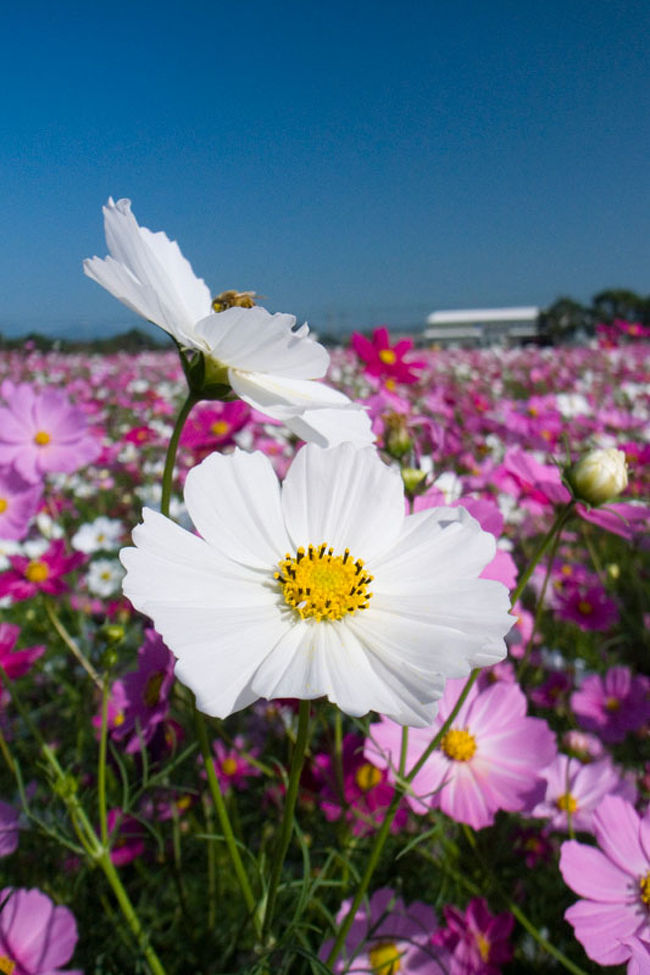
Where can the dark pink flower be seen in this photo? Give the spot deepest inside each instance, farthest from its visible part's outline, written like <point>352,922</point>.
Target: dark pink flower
<point>612,705</point>
<point>385,360</point>
<point>42,432</point>
<point>612,921</point>
<point>19,502</point>
<point>27,577</point>
<point>214,424</point>
<point>36,936</point>
<point>127,837</point>
<point>478,941</point>
<point>231,765</point>
<point>588,606</point>
<point>16,663</point>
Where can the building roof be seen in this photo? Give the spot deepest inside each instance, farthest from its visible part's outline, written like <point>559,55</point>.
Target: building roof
<point>481,316</point>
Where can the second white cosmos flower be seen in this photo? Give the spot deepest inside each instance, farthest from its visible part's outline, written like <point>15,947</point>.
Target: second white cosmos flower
<point>321,587</point>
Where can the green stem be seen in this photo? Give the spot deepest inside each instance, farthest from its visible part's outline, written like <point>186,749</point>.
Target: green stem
<point>224,821</point>
<point>540,607</point>
<point>286,828</point>
<point>170,456</point>
<point>101,768</point>
<point>403,782</point>
<point>71,644</point>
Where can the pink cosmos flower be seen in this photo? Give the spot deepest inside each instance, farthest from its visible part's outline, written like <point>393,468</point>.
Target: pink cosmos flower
<point>127,837</point>
<point>590,608</point>
<point>367,792</point>
<point>385,360</point>
<point>233,769</point>
<point>36,936</point>
<point>19,502</point>
<point>27,577</point>
<point>574,791</point>
<point>139,702</point>
<point>42,432</point>
<point>478,941</point>
<point>16,663</point>
<point>8,829</point>
<point>387,937</point>
<point>214,424</point>
<point>612,921</point>
<point>490,759</point>
<point>612,705</point>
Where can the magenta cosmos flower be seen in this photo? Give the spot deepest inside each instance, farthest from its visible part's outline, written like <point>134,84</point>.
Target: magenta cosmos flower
<point>16,663</point>
<point>385,360</point>
<point>36,936</point>
<point>490,758</point>
<point>387,937</point>
<point>27,577</point>
<point>613,705</point>
<point>41,433</point>
<point>19,502</point>
<point>612,922</point>
<point>478,941</point>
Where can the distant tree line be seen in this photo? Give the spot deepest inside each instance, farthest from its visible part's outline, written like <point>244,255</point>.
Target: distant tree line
<point>567,320</point>
<point>132,341</point>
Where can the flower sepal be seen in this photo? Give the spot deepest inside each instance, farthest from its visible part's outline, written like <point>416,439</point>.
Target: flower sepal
<point>206,378</point>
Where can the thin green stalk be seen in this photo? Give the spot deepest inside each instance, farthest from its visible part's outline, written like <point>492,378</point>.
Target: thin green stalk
<point>101,768</point>
<point>403,782</point>
<point>72,646</point>
<point>170,456</point>
<point>286,828</point>
<point>224,821</point>
<point>540,606</point>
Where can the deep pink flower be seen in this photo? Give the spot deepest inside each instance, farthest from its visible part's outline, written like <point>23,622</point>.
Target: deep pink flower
<point>127,837</point>
<point>36,936</point>
<point>232,767</point>
<point>19,502</point>
<point>42,432</point>
<point>575,790</point>
<point>16,663</point>
<point>214,424</point>
<point>589,607</point>
<point>612,705</point>
<point>27,577</point>
<point>367,792</point>
<point>387,937</point>
<point>490,759</point>
<point>612,922</point>
<point>478,941</point>
<point>385,360</point>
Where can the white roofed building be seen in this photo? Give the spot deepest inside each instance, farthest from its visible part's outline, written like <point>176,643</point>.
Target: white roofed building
<point>482,326</point>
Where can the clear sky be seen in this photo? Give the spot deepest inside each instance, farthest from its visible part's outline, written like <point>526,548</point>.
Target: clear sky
<point>357,162</point>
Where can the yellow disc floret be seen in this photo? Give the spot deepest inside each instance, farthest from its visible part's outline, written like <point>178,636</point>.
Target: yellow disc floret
<point>37,571</point>
<point>367,776</point>
<point>219,428</point>
<point>42,438</point>
<point>323,586</point>
<point>387,356</point>
<point>4,504</point>
<point>385,959</point>
<point>567,803</point>
<point>459,745</point>
<point>644,888</point>
<point>6,965</point>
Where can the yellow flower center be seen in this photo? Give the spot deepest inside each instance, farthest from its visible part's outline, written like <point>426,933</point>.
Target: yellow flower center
<point>6,965</point>
<point>219,428</point>
<point>644,887</point>
<point>567,803</point>
<point>152,689</point>
<point>41,437</point>
<point>229,766</point>
<point>4,504</point>
<point>458,744</point>
<point>483,945</point>
<point>321,585</point>
<point>118,719</point>
<point>367,776</point>
<point>585,607</point>
<point>387,356</point>
<point>612,704</point>
<point>37,571</point>
<point>385,959</point>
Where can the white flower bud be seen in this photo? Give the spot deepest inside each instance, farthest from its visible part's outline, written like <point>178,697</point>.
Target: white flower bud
<point>599,476</point>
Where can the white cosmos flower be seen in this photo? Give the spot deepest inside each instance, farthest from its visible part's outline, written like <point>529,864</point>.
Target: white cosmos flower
<point>384,610</point>
<point>267,361</point>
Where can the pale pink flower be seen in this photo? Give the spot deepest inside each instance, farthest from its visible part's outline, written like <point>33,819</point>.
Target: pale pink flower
<point>36,936</point>
<point>575,790</point>
<point>19,502</point>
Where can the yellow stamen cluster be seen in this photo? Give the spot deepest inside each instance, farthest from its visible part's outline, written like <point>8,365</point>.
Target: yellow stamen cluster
<point>37,571</point>
<point>612,704</point>
<point>387,356</point>
<point>483,945</point>
<point>6,965</point>
<point>323,586</point>
<point>4,504</point>
<point>644,887</point>
<point>567,803</point>
<point>459,745</point>
<point>229,766</point>
<point>42,438</point>
<point>151,692</point>
<point>219,428</point>
<point>367,776</point>
<point>385,959</point>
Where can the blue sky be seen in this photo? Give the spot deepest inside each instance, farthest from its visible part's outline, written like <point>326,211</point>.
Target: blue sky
<point>357,163</point>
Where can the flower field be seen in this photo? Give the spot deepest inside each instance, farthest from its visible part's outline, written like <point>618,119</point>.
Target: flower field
<point>531,806</point>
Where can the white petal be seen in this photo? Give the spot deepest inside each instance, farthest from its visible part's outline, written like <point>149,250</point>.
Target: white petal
<point>234,502</point>
<point>327,428</point>
<point>253,340</point>
<point>345,496</point>
<point>438,545</point>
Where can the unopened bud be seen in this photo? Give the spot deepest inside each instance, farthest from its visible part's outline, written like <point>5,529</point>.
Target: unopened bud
<point>599,476</point>
<point>397,440</point>
<point>415,481</point>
